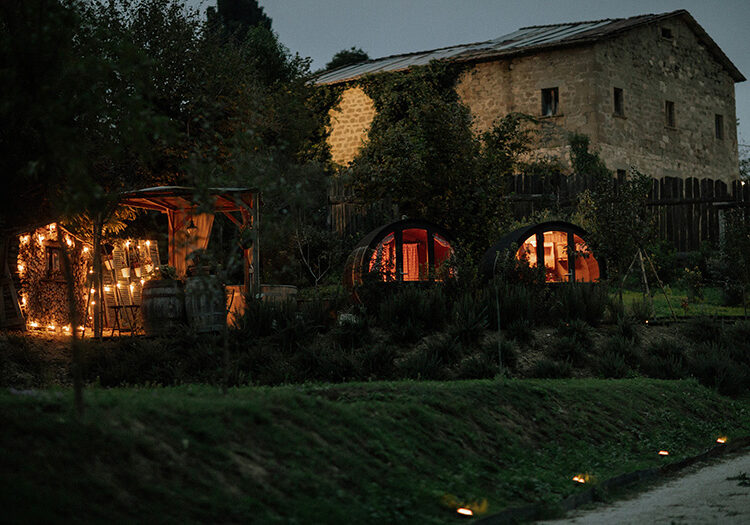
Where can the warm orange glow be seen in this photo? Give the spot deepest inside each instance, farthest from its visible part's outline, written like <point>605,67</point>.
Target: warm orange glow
<point>663,452</point>
<point>80,328</point>
<point>722,440</point>
<point>93,303</point>
<point>127,243</point>
<point>86,249</point>
<point>21,267</point>
<point>40,239</point>
<point>131,286</point>
<point>148,244</point>
<point>66,328</point>
<point>107,288</point>
<point>579,479</point>
<point>34,324</point>
<point>24,239</point>
<point>143,281</point>
<point>23,300</point>
<point>51,327</point>
<point>465,511</point>
<point>68,241</point>
<point>118,285</point>
<point>93,290</point>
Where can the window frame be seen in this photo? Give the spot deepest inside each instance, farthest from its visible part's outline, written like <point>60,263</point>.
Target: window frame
<point>618,102</point>
<point>670,119</point>
<point>550,101</point>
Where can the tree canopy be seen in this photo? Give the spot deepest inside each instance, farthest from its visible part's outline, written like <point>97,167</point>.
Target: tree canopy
<point>346,57</point>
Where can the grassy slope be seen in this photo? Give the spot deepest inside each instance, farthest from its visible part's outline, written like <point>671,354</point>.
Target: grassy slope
<point>711,304</point>
<point>352,453</point>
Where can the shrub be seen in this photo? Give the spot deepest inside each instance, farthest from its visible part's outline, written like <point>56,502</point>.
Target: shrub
<point>736,338</point>
<point>713,366</point>
<point>375,362</point>
<point>614,310</point>
<point>623,347</point>
<point>611,365</point>
<point>520,330</point>
<point>477,367</point>
<point>642,309</point>
<point>412,311</point>
<point>517,302</point>
<point>550,369</point>
<point>580,301</point>
<point>664,359</point>
<point>21,365</point>
<point>351,330</point>
<point>469,319</point>
<point>628,329</point>
<point>495,347</point>
<point>703,330</point>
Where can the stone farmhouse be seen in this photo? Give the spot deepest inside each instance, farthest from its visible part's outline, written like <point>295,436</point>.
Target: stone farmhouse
<point>654,92</point>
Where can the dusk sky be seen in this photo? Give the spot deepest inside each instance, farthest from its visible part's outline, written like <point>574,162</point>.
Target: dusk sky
<point>320,28</point>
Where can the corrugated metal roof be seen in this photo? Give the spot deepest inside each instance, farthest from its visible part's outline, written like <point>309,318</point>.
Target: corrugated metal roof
<point>524,40</point>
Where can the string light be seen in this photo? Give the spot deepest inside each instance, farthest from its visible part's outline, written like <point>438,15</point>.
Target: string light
<point>663,452</point>
<point>465,511</point>
<point>93,290</point>
<point>148,244</point>
<point>85,250</point>
<point>142,281</point>
<point>40,239</point>
<point>24,239</point>
<point>107,288</point>
<point>68,241</point>
<point>21,267</point>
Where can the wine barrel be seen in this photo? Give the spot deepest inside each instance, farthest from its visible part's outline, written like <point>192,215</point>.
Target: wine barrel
<point>205,304</point>
<point>278,293</point>
<point>162,306</point>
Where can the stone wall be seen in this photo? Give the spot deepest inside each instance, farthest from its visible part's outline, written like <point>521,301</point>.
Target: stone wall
<point>649,68</point>
<point>350,122</point>
<point>680,70</point>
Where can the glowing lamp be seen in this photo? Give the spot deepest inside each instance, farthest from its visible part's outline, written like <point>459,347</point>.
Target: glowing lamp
<point>721,440</point>
<point>465,511</point>
<point>21,267</point>
<point>66,329</point>
<point>107,288</point>
<point>131,286</point>
<point>80,328</point>
<point>93,303</point>
<point>93,290</point>
<point>663,452</point>
<point>142,281</point>
<point>51,327</point>
<point>24,239</point>
<point>34,324</point>
<point>579,479</point>
<point>23,300</point>
<point>118,285</point>
<point>40,239</point>
<point>86,249</point>
<point>68,241</point>
<point>148,244</point>
<point>127,243</point>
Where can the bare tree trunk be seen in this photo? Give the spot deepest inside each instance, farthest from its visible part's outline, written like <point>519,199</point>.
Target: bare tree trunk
<point>97,240</point>
<point>75,321</point>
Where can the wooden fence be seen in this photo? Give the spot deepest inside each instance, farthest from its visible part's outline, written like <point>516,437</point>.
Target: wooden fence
<point>687,212</point>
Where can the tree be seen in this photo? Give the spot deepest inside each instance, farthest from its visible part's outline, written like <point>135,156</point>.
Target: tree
<point>236,17</point>
<point>614,214</point>
<point>346,57</point>
<point>422,154</point>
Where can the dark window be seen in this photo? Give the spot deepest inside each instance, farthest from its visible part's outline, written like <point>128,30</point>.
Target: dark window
<point>719,126</point>
<point>550,100</point>
<point>621,176</point>
<point>53,260</point>
<point>666,33</point>
<point>669,113</point>
<point>618,102</point>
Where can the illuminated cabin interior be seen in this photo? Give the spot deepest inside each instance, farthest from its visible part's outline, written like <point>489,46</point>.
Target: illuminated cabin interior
<point>407,250</point>
<point>560,245</point>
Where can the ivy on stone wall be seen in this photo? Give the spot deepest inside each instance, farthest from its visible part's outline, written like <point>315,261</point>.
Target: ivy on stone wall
<point>423,154</point>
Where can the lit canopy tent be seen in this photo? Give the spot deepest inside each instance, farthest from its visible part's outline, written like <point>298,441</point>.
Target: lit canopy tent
<point>189,230</point>
<point>561,246</point>
<point>407,250</point>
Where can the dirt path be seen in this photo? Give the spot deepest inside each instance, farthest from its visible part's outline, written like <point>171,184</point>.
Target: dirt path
<point>702,494</point>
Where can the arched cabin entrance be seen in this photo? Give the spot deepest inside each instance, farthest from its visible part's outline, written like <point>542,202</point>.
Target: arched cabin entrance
<point>409,250</point>
<point>561,246</point>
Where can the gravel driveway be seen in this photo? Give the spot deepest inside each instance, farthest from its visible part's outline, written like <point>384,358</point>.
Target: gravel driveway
<point>701,494</point>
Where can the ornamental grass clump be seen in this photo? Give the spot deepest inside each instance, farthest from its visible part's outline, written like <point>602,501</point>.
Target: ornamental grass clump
<point>664,359</point>
<point>580,301</point>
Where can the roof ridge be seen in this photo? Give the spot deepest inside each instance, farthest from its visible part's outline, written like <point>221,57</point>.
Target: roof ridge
<point>573,23</point>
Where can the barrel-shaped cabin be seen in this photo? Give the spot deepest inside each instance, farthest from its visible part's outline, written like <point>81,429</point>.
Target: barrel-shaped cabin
<point>560,246</point>
<point>403,251</point>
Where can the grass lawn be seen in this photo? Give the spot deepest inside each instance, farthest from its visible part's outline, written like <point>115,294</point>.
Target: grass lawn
<point>380,452</point>
<point>710,305</point>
